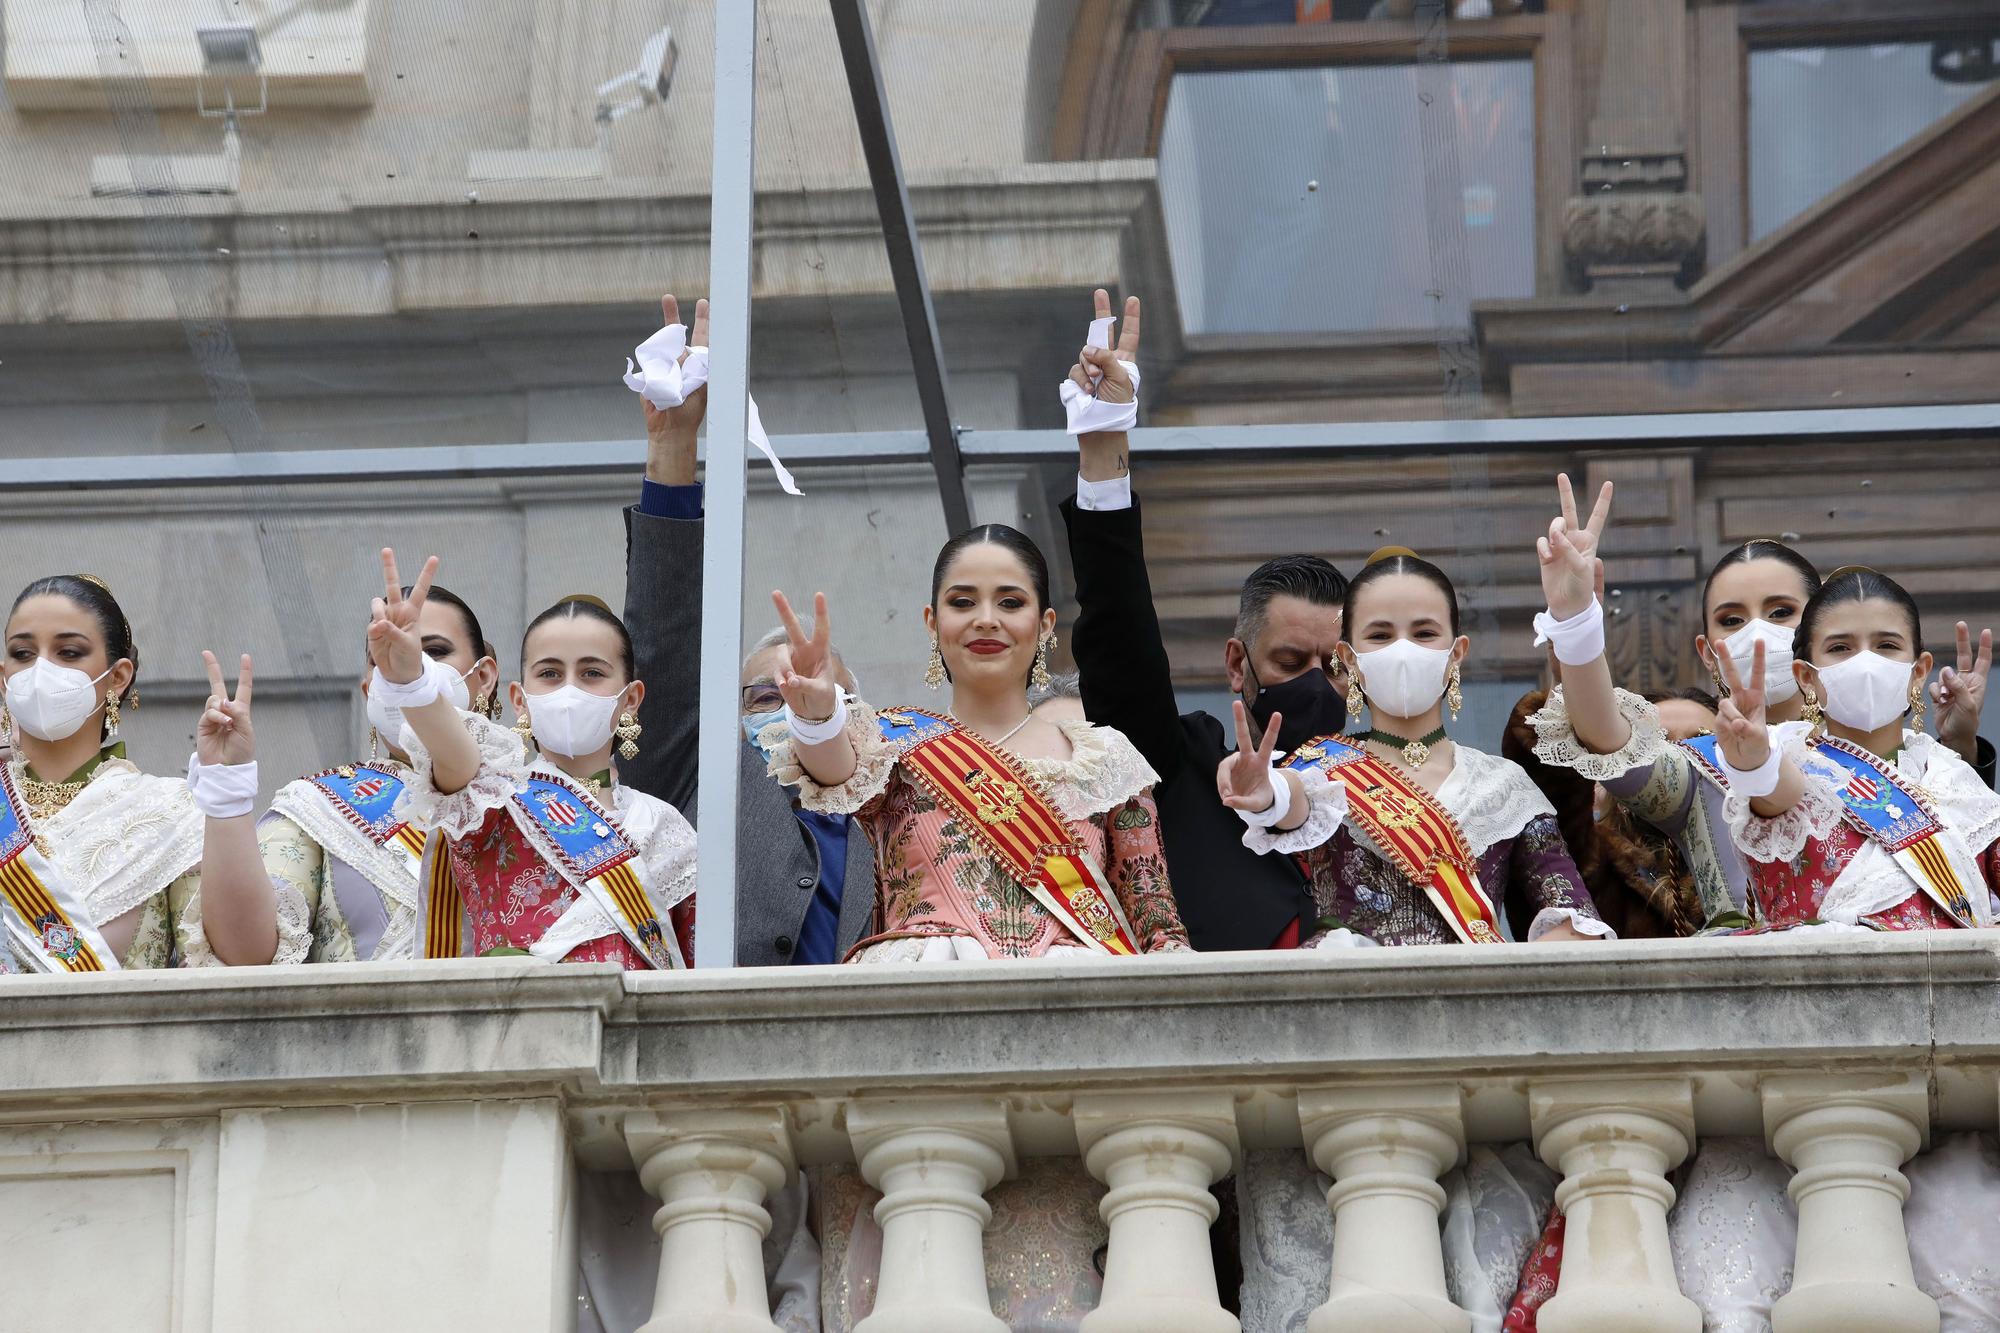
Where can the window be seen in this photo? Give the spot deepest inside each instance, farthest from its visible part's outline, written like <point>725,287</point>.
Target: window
<point>1308,200</point>
<point>1247,13</point>
<point>1821,115</point>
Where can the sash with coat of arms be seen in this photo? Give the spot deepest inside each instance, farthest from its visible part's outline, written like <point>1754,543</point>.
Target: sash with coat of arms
<point>350,812</point>
<point>1419,835</point>
<point>41,911</point>
<point>1008,814</point>
<point>1883,806</point>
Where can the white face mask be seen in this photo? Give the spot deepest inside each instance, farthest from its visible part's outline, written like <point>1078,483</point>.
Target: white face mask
<point>1405,678</point>
<point>571,721</point>
<point>1779,683</point>
<point>51,701</point>
<point>388,721</point>
<point>1866,691</point>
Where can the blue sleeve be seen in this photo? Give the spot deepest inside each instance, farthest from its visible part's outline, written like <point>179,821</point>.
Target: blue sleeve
<point>657,499</point>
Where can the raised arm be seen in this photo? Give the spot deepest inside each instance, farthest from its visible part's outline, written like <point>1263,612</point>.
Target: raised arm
<point>663,553</point>
<point>1773,782</point>
<point>1122,661</point>
<point>813,703</point>
<point>239,904</point>
<point>395,645</point>
<point>1572,574</point>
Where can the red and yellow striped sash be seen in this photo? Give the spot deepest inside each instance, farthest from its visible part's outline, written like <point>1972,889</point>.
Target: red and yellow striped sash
<point>444,908</point>
<point>1007,813</point>
<point>32,901</point>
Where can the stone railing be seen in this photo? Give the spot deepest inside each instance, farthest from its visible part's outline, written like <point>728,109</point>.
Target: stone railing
<point>395,1147</point>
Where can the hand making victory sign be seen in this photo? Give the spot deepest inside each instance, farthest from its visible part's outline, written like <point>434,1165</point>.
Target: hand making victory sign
<point>808,680</point>
<point>1098,371</point>
<point>395,644</point>
<point>1243,780</point>
<point>1961,694</point>
<point>1571,570</point>
<point>224,735</point>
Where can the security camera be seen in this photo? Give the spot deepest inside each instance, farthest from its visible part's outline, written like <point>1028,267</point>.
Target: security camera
<point>653,79</point>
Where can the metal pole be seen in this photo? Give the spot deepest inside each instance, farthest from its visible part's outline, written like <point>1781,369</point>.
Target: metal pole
<point>730,238</point>
<point>906,256</point>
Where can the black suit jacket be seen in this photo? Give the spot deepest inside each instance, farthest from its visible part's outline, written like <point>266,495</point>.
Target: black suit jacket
<point>777,861</point>
<point>1230,897</point>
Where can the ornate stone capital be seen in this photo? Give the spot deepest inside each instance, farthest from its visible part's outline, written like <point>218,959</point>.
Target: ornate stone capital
<point>1643,237</point>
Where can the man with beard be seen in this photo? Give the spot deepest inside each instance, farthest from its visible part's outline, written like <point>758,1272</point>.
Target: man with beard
<point>1280,662</point>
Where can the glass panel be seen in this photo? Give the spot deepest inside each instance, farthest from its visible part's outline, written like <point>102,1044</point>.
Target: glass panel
<point>1326,227</point>
<point>1245,13</point>
<point>1821,115</point>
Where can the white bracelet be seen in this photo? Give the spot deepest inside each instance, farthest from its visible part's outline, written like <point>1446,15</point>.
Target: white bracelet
<point>1750,783</point>
<point>1281,803</point>
<point>222,791</point>
<point>1578,640</point>
<point>423,690</point>
<point>817,733</point>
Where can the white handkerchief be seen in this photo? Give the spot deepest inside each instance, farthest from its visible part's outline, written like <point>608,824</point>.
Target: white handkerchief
<point>661,376</point>
<point>1085,412</point>
<point>763,442</point>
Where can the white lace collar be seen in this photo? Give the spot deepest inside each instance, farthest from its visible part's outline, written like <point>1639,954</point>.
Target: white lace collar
<point>1103,771</point>
<point>1491,797</point>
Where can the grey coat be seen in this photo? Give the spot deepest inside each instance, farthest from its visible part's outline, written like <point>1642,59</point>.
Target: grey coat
<point>777,862</point>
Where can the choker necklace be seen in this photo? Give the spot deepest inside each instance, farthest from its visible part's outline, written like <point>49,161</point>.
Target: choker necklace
<point>1415,753</point>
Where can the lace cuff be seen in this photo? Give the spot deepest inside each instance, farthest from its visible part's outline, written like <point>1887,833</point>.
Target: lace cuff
<point>1556,743</point>
<point>1549,918</point>
<point>295,934</point>
<point>503,767</point>
<point>1817,813</point>
<point>874,764</point>
<point>1326,807</point>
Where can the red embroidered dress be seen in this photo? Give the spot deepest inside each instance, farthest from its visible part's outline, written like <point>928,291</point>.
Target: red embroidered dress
<point>515,898</point>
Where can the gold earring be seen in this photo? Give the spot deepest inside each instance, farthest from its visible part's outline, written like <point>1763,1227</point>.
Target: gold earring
<point>1454,697</point>
<point>479,703</point>
<point>1916,705</point>
<point>132,698</point>
<point>1810,710</point>
<point>934,673</point>
<point>524,728</point>
<point>627,731</point>
<point>374,745</point>
<point>1356,700</point>
<point>1039,677</point>
<point>110,716</point>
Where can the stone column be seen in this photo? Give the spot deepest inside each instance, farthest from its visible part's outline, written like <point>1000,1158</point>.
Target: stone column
<point>933,1159</point>
<point>1846,1135</point>
<point>1385,1148</point>
<point>1614,1140</point>
<point>712,1171</point>
<point>1159,1152</point>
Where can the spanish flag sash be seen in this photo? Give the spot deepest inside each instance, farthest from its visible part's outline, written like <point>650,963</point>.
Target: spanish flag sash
<point>1887,809</point>
<point>585,843</point>
<point>43,914</point>
<point>1007,813</point>
<point>1418,834</point>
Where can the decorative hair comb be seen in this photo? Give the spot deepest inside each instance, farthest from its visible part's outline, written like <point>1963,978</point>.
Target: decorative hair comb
<point>1389,553</point>
<point>589,598</point>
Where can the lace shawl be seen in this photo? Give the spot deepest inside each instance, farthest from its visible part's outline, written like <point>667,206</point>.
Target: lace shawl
<point>125,837</point>
<point>1556,743</point>
<point>503,767</point>
<point>1491,798</point>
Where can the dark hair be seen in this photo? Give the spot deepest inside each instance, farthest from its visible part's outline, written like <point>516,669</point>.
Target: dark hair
<point>1382,566</point>
<point>1760,548</point>
<point>473,634</point>
<point>582,606</point>
<point>1011,539</point>
<point>90,594</point>
<point>1855,584</point>
<point>1306,577</point>
<point>1693,694</point>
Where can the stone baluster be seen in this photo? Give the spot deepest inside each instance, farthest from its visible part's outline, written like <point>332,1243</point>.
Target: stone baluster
<point>1614,1140</point>
<point>1846,1135</point>
<point>1385,1148</point>
<point>1159,1153</point>
<point>712,1170</point>
<point>933,1159</point>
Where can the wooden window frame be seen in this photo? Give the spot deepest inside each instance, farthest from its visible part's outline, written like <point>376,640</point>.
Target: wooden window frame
<point>1721,36</point>
<point>1122,116</point>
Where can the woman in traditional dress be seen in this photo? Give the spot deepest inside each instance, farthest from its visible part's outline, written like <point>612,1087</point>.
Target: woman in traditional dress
<point>551,857</point>
<point>1754,595</point>
<point>997,834</point>
<point>334,840</point>
<point>100,864</point>
<point>1407,837</point>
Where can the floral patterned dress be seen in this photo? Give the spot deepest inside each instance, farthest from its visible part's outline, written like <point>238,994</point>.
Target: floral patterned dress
<point>936,886</point>
<point>1810,864</point>
<point>1509,827</point>
<point>516,899</point>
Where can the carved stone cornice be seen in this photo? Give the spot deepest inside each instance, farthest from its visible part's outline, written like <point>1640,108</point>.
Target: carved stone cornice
<point>1640,238</point>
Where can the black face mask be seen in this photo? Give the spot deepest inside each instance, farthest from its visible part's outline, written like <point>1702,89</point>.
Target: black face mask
<point>1310,704</point>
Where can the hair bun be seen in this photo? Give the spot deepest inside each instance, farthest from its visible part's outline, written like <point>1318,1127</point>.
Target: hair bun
<point>1389,553</point>
<point>589,599</point>
<point>1853,569</point>
<point>97,581</point>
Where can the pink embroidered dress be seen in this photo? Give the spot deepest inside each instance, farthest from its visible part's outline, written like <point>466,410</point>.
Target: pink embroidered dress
<point>515,897</point>
<point>937,887</point>
<point>1812,864</point>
